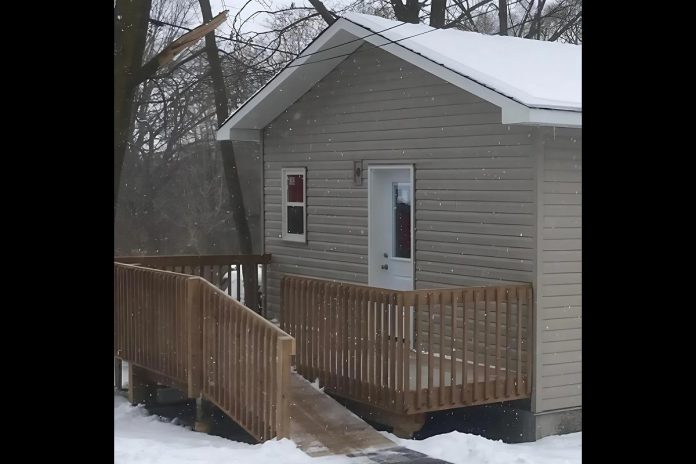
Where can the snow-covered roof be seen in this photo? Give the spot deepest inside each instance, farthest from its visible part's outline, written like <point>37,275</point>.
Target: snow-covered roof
<point>533,72</point>
<point>534,82</point>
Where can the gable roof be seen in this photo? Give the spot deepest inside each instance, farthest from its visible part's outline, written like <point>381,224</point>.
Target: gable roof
<point>534,82</point>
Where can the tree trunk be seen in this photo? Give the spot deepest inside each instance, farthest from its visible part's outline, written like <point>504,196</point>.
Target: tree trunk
<point>437,13</point>
<point>229,162</point>
<point>407,13</point>
<point>503,17</point>
<point>130,31</point>
<point>323,11</point>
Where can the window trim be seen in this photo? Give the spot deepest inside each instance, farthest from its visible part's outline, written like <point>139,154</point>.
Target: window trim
<point>284,173</point>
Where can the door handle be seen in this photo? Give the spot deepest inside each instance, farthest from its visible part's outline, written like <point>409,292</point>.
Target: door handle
<point>385,266</point>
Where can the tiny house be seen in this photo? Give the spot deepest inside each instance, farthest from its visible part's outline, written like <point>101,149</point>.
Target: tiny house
<point>422,202</point>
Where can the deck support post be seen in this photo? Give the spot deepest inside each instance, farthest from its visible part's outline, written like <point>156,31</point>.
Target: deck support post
<point>203,415</point>
<point>118,374</point>
<point>405,426</point>
<point>140,388</point>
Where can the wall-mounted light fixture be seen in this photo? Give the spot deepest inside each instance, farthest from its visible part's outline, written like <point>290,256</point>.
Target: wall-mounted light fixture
<point>357,172</point>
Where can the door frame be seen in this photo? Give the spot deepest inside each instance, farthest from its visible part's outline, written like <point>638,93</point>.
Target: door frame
<point>370,169</point>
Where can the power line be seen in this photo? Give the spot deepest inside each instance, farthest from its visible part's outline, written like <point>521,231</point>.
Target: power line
<point>158,22</point>
<point>164,23</point>
<point>350,41</point>
<point>353,53</point>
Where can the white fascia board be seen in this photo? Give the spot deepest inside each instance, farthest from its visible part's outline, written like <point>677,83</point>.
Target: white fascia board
<point>542,117</point>
<point>239,135</point>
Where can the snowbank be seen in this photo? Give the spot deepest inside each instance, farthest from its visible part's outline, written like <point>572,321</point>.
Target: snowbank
<point>462,448</point>
<point>142,438</point>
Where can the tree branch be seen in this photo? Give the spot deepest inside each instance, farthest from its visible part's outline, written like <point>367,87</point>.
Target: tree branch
<point>565,27</point>
<point>329,17</point>
<point>176,47</point>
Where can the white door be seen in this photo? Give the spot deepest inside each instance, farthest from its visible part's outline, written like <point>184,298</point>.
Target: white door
<point>390,231</point>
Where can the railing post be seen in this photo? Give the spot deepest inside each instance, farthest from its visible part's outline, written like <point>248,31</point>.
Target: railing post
<point>118,374</point>
<point>250,274</point>
<point>531,344</point>
<point>194,362</point>
<point>285,350</point>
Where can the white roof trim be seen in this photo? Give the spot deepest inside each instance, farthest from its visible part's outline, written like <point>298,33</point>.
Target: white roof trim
<point>291,83</point>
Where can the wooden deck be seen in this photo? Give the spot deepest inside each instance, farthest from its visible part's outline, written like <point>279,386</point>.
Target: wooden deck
<point>402,354</point>
<point>191,335</point>
<point>180,331</point>
<point>411,352</point>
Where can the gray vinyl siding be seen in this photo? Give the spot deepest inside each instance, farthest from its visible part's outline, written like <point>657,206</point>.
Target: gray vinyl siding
<point>474,177</point>
<point>559,312</point>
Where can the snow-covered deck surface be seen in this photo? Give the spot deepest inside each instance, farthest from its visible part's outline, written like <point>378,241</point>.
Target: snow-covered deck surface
<point>140,438</point>
<point>458,380</point>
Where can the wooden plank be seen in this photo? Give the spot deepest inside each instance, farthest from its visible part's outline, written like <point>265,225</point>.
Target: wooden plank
<point>430,348</point>
<point>464,365</point>
<point>441,302</point>
<point>266,369</point>
<point>508,320</point>
<point>243,368</point>
<point>399,343</point>
<point>392,342</point>
<point>333,342</point>
<point>300,308</point>
<point>239,282</point>
<point>287,349</point>
<point>531,347</point>
<point>498,301</point>
<point>364,341</point>
<point>325,333</point>
<point>419,349</point>
<point>384,310</point>
<point>314,327</point>
<point>370,342</point>
<point>475,337</point>
<point>378,345</point>
<point>453,359</point>
<point>518,386</point>
<point>341,338</point>
<point>195,322</point>
<point>486,363</point>
<point>350,354</point>
<point>406,355</point>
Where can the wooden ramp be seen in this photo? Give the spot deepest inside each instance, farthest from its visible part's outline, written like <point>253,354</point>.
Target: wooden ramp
<point>320,426</point>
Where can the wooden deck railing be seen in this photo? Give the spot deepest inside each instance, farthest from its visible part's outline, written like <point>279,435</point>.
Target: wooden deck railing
<point>203,341</point>
<point>411,351</point>
<point>223,271</point>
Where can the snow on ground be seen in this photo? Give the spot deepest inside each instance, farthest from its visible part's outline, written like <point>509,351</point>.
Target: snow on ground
<point>464,448</point>
<point>143,438</point>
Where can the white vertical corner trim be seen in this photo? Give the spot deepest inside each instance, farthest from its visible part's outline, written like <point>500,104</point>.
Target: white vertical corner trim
<point>539,155</point>
<point>284,173</point>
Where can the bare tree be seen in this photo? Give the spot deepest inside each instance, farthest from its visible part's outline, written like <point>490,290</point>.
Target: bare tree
<point>130,30</point>
<point>229,162</point>
<point>502,17</point>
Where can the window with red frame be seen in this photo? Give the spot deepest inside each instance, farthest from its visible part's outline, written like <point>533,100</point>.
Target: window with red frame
<point>294,204</point>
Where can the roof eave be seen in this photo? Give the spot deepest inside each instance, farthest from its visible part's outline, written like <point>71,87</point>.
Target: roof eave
<point>521,114</point>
